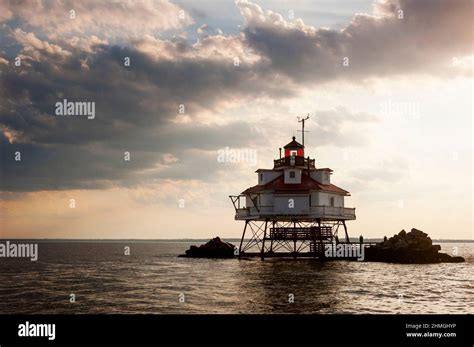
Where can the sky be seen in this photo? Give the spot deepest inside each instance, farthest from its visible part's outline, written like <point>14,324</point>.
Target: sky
<point>388,86</point>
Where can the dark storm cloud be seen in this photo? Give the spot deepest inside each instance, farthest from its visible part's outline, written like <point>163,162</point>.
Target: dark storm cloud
<point>134,107</point>
<point>102,165</point>
<point>128,100</point>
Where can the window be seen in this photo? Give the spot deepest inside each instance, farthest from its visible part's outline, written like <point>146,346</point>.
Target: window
<point>261,177</point>
<point>331,201</point>
<point>292,174</point>
<point>293,153</point>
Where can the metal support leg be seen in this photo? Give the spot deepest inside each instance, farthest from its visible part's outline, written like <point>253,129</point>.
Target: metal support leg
<point>271,240</point>
<point>294,241</point>
<point>242,240</point>
<point>345,230</point>
<point>320,237</point>
<point>262,252</point>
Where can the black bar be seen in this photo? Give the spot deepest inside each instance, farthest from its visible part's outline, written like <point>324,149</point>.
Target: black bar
<point>236,329</point>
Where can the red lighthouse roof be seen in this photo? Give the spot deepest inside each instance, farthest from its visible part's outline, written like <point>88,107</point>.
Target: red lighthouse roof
<point>307,184</point>
<point>294,144</point>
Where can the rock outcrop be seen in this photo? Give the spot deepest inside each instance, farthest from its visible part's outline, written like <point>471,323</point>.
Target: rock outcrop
<point>215,248</point>
<point>415,247</point>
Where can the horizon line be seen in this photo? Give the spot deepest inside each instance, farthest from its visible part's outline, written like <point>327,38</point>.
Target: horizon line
<point>191,239</point>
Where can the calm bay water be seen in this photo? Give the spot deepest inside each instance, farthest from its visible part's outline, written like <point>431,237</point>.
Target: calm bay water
<point>152,277</point>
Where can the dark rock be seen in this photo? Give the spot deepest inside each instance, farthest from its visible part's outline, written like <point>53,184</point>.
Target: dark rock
<point>215,248</point>
<point>445,258</point>
<point>400,244</point>
<point>415,247</point>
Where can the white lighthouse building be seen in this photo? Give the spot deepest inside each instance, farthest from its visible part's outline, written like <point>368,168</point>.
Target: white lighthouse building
<point>294,209</point>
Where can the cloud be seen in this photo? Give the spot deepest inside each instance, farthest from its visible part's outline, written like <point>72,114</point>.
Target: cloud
<point>32,44</point>
<point>207,30</point>
<point>421,39</point>
<point>139,97</point>
<point>114,19</point>
<point>192,149</point>
<point>336,127</point>
<point>137,110</point>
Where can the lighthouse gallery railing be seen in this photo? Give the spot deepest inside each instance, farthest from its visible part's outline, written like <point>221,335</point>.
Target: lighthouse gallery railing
<point>294,161</point>
<point>316,211</point>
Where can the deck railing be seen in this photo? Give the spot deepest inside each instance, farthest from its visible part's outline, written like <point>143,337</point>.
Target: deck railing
<point>332,211</point>
<point>298,233</point>
<point>294,161</point>
<point>242,212</point>
<point>315,211</point>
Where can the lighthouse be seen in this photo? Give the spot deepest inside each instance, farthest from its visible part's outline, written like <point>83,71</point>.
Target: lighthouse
<point>294,209</point>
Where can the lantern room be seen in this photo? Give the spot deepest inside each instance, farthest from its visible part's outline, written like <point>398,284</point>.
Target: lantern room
<point>294,149</point>
<point>294,156</point>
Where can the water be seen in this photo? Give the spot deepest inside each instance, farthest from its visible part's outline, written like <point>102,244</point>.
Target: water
<point>152,277</point>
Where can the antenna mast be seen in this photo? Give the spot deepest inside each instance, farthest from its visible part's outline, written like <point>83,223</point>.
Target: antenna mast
<point>302,120</point>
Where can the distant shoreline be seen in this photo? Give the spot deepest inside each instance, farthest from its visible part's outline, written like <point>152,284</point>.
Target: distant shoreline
<point>237,240</point>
